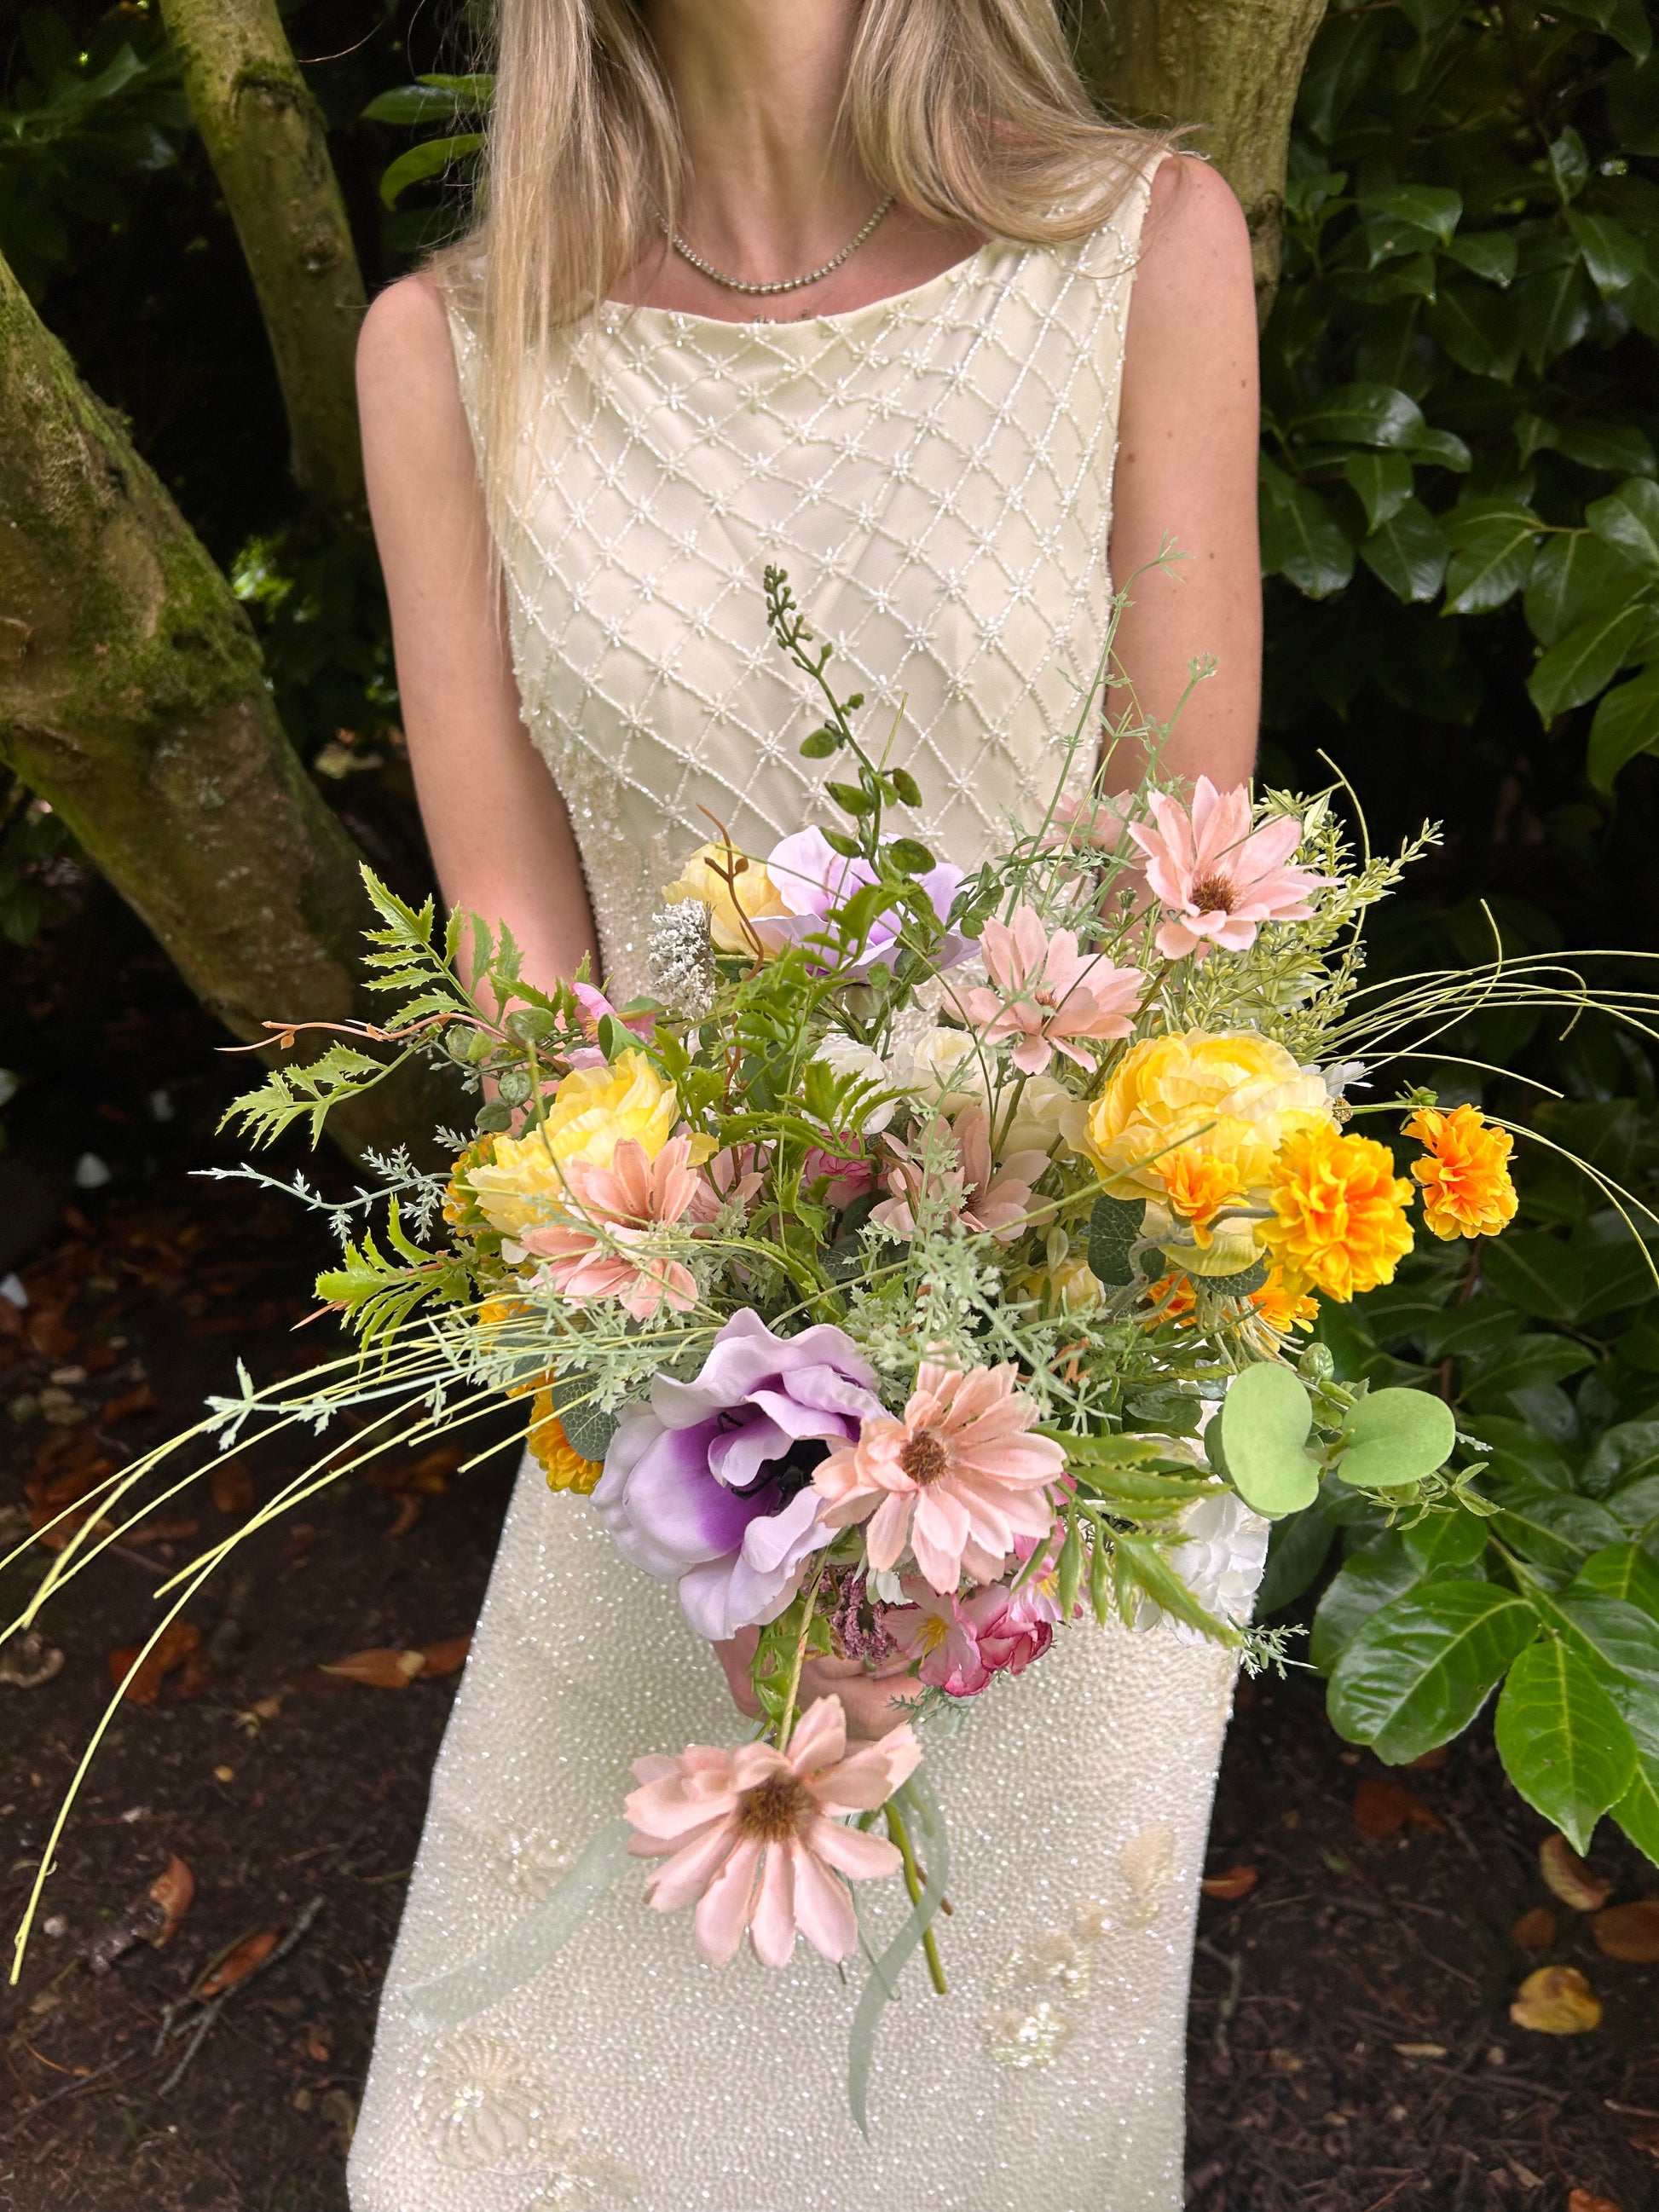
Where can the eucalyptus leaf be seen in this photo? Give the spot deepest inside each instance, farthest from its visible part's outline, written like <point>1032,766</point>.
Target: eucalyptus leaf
<point>1264,1426</point>
<point>1396,1438</point>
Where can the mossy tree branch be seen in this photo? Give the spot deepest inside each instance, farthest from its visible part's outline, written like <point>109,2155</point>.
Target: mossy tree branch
<point>133,700</point>
<point>265,137</point>
<point>1229,68</point>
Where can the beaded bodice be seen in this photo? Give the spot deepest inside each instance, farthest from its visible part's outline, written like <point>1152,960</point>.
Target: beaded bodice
<point>934,471</point>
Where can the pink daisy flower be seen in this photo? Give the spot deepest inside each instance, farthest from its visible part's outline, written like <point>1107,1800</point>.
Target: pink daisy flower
<point>991,1196</point>
<point>1047,992</point>
<point>606,1250</point>
<point>753,1837</point>
<point>958,1481</point>
<point>1218,880</point>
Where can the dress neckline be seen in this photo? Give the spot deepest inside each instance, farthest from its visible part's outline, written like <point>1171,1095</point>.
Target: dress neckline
<point>615,313</point>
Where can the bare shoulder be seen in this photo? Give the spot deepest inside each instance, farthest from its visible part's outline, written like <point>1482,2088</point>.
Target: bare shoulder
<point>1194,270</point>
<point>1194,214</point>
<point>404,354</point>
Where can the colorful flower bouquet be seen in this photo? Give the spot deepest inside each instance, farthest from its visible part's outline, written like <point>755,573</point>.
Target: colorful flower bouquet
<point>928,1266</point>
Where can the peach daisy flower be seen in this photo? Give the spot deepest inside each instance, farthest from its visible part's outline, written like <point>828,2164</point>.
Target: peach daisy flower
<point>957,1481</point>
<point>1218,880</point>
<point>605,1250</point>
<point>1046,992</point>
<point>753,1837</point>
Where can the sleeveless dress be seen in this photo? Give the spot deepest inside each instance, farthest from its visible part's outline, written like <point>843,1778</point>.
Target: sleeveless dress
<point>935,472</point>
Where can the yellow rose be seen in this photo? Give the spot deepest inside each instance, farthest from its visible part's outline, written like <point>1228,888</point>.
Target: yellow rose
<point>750,892</point>
<point>1196,1116</point>
<point>593,1110</point>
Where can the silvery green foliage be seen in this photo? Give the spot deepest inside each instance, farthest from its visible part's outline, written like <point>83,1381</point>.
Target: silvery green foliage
<point>680,960</point>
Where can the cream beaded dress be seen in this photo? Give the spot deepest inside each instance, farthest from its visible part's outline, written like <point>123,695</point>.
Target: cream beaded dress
<point>935,472</point>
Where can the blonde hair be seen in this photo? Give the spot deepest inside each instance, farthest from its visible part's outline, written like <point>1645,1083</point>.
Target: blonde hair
<point>971,112</point>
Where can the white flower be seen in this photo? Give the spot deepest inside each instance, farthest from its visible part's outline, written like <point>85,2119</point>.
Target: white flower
<point>1220,1558</point>
<point>1041,1118</point>
<point>847,1056</point>
<point>941,1065</point>
<point>1344,1075</point>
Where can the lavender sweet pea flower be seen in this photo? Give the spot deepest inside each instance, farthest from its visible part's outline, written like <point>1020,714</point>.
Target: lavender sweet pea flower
<point>713,1482</point>
<point>811,876</point>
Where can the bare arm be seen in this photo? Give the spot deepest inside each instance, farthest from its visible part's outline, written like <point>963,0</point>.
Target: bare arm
<point>1187,469</point>
<point>500,835</point>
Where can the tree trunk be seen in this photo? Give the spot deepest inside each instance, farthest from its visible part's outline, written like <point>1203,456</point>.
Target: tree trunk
<point>132,699</point>
<point>1230,69</point>
<point>264,136</point>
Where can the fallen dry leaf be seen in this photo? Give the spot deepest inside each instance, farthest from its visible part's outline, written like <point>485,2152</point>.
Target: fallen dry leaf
<point>236,1965</point>
<point>450,1655</point>
<point>1569,1878</point>
<point>172,1893</point>
<point>173,1647</point>
<point>1430,1760</point>
<point>432,1471</point>
<point>382,1668</point>
<point>1382,1809</point>
<point>140,1400</point>
<point>1582,2201</point>
<point>232,1489</point>
<point>1534,1930</point>
<point>29,1660</point>
<point>50,1333</point>
<point>1629,1932</point>
<point>1556,2000</point>
<point>1238,1881</point>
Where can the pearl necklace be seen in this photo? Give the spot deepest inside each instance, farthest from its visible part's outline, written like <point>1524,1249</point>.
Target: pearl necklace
<point>786,283</point>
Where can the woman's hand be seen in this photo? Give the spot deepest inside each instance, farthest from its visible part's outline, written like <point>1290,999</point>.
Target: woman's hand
<point>871,1702</point>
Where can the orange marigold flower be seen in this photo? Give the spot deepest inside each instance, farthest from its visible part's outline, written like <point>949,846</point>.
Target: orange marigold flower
<point>1465,1174</point>
<point>1172,1299</point>
<point>1281,1306</point>
<point>1198,1185</point>
<point>554,1453</point>
<point>1339,1219</point>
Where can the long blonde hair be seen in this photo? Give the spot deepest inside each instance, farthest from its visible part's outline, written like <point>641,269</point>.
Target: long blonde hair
<point>971,112</point>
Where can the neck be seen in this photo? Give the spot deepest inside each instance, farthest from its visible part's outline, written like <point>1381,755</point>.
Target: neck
<point>771,189</point>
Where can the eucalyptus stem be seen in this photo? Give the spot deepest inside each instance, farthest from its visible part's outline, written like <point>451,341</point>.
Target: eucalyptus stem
<point>901,1836</point>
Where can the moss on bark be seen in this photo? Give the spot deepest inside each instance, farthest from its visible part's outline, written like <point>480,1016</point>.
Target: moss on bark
<point>1230,69</point>
<point>133,700</point>
<point>266,139</point>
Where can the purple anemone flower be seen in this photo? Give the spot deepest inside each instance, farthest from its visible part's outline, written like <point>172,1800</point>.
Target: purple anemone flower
<point>712,1482</point>
<point>811,876</point>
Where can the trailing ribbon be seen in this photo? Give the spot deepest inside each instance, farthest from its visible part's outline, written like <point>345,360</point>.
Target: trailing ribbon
<point>919,1800</point>
<point>520,1952</point>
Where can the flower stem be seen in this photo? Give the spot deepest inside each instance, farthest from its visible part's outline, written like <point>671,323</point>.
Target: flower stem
<point>786,1726</point>
<point>901,1836</point>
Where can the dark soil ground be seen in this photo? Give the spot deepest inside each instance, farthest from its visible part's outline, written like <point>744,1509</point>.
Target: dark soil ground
<point>1352,2043</point>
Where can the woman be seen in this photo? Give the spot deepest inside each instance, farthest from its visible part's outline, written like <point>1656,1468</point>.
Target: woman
<point>1006,352</point>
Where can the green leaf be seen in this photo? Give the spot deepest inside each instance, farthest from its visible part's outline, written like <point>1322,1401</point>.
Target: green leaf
<point>1621,449</point>
<point>1301,538</point>
<point>1621,1570</point>
<point>1115,1225</point>
<point>1342,63</point>
<point>1433,208</point>
<point>1586,658</point>
<point>1538,1273</point>
<point>1569,575</point>
<point>1522,1366</point>
<point>1297,1548</point>
<point>1629,519</point>
<point>1616,1639</point>
<point>1562,1740</point>
<point>426,160</point>
<point>1142,1562</point>
<point>1611,254</point>
<point>1488,253</point>
<point>850,799</point>
<point>1448,1538</point>
<point>1365,1583</point>
<point>1419,1671</point>
<point>1552,1528</point>
<point>904,783</point>
<point>910,854</point>
<point>588,1428</point>
<point>417,103</point>
<point>1383,482</point>
<point>1494,556</point>
<point>1638,1811</point>
<point>1362,415</point>
<point>819,745</point>
<point>1626,1453</point>
<point>1408,552</point>
<point>1627,723</point>
<point>1264,1425</point>
<point>1569,162</point>
<point>1397,1437</point>
<point>1480,330</point>
<point>1442,449</point>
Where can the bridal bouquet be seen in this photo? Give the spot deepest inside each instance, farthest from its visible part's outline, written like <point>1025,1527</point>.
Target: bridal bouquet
<point>927,1267</point>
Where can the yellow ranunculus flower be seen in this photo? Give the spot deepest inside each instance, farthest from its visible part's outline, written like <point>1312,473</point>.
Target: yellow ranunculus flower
<point>750,892</point>
<point>593,1110</point>
<point>1195,1113</point>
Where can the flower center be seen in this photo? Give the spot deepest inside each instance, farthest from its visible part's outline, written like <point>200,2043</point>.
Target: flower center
<point>1213,896</point>
<point>924,1458</point>
<point>774,1810</point>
